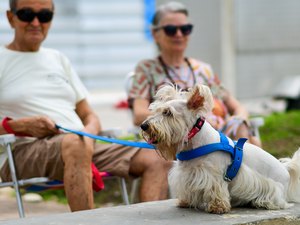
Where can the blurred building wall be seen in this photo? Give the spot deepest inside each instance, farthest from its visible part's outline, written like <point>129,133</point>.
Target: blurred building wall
<point>251,44</point>
<point>103,39</point>
<point>267,44</point>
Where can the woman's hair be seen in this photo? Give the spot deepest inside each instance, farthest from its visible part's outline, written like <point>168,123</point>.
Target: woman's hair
<point>174,7</point>
<point>13,4</point>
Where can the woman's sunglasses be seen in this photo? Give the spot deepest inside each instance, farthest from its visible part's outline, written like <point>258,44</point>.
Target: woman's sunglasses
<point>28,15</point>
<point>171,30</point>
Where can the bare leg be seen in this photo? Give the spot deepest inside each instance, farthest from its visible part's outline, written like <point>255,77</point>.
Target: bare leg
<point>154,172</point>
<point>254,140</point>
<point>243,131</point>
<point>77,157</point>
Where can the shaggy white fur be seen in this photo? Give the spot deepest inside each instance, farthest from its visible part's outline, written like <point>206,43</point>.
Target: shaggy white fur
<point>262,180</point>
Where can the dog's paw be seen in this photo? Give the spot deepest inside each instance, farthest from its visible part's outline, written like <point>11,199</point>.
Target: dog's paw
<point>218,207</point>
<point>183,204</point>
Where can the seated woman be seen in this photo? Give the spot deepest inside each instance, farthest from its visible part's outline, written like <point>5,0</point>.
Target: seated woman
<point>171,30</point>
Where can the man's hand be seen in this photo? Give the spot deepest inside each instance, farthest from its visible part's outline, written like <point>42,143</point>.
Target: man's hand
<point>38,126</point>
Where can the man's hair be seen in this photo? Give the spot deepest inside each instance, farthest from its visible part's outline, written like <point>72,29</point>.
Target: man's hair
<point>13,4</point>
<point>174,7</point>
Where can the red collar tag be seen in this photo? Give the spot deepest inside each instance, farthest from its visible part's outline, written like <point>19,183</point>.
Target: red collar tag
<point>196,128</point>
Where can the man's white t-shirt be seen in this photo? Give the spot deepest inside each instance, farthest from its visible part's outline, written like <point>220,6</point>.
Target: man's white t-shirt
<point>40,83</point>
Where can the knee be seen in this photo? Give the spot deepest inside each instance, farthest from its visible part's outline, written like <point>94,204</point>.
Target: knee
<point>243,131</point>
<point>75,147</point>
<point>255,141</point>
<point>149,161</point>
<point>157,163</point>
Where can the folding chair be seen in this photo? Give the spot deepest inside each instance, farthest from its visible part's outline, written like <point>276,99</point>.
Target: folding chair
<point>37,183</point>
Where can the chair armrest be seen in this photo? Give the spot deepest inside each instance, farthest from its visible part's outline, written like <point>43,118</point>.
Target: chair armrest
<point>255,123</point>
<point>7,139</point>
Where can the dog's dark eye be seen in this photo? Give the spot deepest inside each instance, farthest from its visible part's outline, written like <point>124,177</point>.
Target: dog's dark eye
<point>167,112</point>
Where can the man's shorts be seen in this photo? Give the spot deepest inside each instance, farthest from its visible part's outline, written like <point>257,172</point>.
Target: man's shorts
<point>42,158</point>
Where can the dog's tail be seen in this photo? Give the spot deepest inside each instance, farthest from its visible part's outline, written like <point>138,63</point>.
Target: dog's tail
<point>293,166</point>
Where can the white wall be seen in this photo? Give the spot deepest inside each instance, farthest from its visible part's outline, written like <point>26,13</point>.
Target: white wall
<point>267,44</point>
<point>103,39</point>
<point>251,44</point>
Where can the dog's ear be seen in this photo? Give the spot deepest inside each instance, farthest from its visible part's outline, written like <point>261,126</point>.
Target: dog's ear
<point>195,100</point>
<point>200,99</point>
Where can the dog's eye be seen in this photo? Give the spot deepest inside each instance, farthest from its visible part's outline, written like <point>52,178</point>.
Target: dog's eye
<point>167,112</point>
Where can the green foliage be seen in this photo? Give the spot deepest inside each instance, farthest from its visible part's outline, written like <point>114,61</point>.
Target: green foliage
<point>54,195</point>
<point>280,134</point>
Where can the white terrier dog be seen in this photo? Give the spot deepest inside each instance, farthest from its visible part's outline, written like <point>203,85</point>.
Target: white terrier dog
<point>252,176</point>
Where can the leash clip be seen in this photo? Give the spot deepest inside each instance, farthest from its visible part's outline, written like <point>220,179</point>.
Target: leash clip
<point>226,178</point>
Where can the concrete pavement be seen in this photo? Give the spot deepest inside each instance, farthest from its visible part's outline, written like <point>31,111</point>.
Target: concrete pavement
<point>163,213</point>
<point>9,209</point>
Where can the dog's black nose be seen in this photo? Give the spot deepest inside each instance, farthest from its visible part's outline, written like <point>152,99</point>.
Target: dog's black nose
<point>145,126</point>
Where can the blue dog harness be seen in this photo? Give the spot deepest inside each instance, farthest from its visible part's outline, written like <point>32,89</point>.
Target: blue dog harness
<point>236,153</point>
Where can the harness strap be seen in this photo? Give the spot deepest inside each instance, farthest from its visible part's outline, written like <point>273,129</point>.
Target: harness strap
<point>237,159</point>
<point>206,149</point>
<point>236,153</point>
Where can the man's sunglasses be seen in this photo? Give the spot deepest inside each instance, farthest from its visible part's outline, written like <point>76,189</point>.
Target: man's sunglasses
<point>171,30</point>
<point>28,15</point>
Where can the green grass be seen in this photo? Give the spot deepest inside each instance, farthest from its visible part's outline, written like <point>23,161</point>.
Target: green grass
<point>280,136</point>
<point>54,195</point>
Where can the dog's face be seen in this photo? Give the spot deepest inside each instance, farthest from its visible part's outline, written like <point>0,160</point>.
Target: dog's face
<point>173,115</point>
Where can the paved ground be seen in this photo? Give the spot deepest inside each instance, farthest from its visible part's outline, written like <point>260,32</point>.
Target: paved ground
<point>163,213</point>
<point>8,206</point>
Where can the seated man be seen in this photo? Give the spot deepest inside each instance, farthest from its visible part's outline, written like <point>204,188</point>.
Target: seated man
<point>39,88</point>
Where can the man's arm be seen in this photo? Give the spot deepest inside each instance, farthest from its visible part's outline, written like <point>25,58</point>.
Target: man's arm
<point>37,126</point>
<point>88,117</point>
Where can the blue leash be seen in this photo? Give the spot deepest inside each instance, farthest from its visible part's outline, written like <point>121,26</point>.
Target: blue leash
<point>106,139</point>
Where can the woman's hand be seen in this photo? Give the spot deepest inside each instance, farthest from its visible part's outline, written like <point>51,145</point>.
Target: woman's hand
<point>216,122</point>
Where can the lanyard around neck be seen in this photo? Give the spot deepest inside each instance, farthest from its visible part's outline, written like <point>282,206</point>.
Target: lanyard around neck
<point>164,65</point>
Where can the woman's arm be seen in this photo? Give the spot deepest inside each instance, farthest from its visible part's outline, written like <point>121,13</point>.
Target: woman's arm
<point>235,108</point>
<point>140,110</point>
